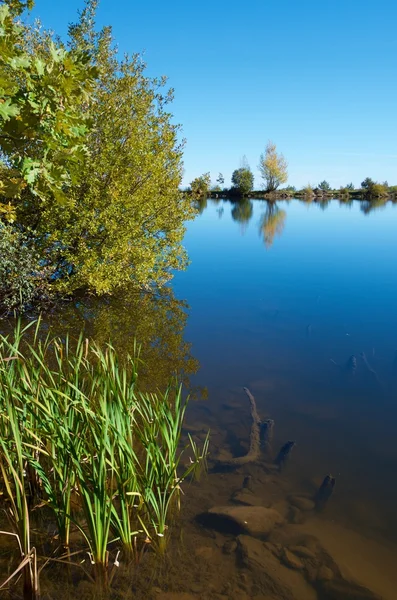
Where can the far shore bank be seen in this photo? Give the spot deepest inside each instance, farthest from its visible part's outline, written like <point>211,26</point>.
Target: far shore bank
<point>316,195</point>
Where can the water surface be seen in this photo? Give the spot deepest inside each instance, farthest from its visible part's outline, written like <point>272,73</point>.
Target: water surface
<point>277,298</point>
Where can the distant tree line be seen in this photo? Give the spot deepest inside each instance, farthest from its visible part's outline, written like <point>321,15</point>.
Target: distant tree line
<point>272,166</point>
<point>273,169</point>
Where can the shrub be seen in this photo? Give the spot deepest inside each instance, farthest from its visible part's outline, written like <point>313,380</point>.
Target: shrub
<point>23,281</point>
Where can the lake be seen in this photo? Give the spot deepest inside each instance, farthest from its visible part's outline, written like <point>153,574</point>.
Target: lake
<point>278,298</point>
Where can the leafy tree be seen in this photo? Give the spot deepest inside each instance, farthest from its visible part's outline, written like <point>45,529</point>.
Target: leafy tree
<point>273,168</point>
<point>45,91</point>
<point>379,190</point>
<point>118,217</point>
<point>367,183</point>
<point>201,185</point>
<point>325,186</point>
<point>350,186</point>
<point>373,188</point>
<point>243,180</point>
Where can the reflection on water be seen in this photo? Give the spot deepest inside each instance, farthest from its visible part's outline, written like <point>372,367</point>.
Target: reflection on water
<point>156,322</point>
<point>242,210</point>
<point>272,223</point>
<point>310,328</point>
<point>278,322</point>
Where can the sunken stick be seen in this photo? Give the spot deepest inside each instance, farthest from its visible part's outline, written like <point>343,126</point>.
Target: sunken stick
<point>253,453</point>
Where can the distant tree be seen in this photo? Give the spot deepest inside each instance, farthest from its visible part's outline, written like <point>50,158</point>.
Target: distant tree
<point>324,185</point>
<point>378,190</point>
<point>350,186</point>
<point>201,185</point>
<point>221,180</point>
<point>373,188</point>
<point>367,183</point>
<point>243,180</point>
<point>273,167</point>
<point>290,188</point>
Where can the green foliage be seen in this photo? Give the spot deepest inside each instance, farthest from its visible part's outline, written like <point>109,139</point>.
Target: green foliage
<point>344,190</point>
<point>375,189</point>
<point>201,185</point>
<point>273,167</point>
<point>97,188</point>
<point>367,183</point>
<point>378,189</point>
<point>243,180</point>
<point>23,281</point>
<point>350,186</point>
<point>44,94</point>
<point>325,186</point>
<point>71,419</point>
<point>221,180</point>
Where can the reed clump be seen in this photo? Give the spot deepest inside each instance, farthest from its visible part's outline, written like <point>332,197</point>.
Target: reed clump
<point>79,442</point>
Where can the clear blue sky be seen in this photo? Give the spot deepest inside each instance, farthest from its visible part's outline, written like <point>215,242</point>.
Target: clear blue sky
<point>319,78</point>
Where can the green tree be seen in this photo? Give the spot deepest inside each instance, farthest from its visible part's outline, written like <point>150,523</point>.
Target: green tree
<point>221,180</point>
<point>325,186</point>
<point>118,218</point>
<point>272,167</point>
<point>45,92</point>
<point>243,180</point>
<point>350,186</point>
<point>367,183</point>
<point>201,185</point>
<point>375,189</point>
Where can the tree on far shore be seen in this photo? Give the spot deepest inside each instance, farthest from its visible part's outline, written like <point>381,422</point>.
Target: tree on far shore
<point>324,185</point>
<point>272,167</point>
<point>201,185</point>
<point>243,180</point>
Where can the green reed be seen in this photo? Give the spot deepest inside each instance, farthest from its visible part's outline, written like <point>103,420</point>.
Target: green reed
<point>74,425</point>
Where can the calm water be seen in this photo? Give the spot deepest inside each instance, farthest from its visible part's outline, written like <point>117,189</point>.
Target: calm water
<point>276,293</point>
<point>277,298</point>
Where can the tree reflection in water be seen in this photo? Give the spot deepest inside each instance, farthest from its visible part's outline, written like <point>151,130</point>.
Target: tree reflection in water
<point>272,223</point>
<point>154,321</point>
<point>372,204</point>
<point>242,211</point>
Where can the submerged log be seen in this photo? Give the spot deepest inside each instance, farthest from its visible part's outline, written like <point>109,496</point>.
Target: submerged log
<point>267,428</point>
<point>324,492</point>
<point>283,455</point>
<point>253,453</point>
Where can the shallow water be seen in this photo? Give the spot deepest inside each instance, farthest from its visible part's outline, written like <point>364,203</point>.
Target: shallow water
<point>276,298</point>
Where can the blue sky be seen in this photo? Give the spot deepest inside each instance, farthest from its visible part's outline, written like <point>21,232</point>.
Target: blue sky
<point>319,78</point>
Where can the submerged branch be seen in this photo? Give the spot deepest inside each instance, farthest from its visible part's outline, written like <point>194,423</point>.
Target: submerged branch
<point>254,450</point>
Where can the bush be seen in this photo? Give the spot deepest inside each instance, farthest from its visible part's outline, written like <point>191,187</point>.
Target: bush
<point>378,189</point>
<point>23,281</point>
